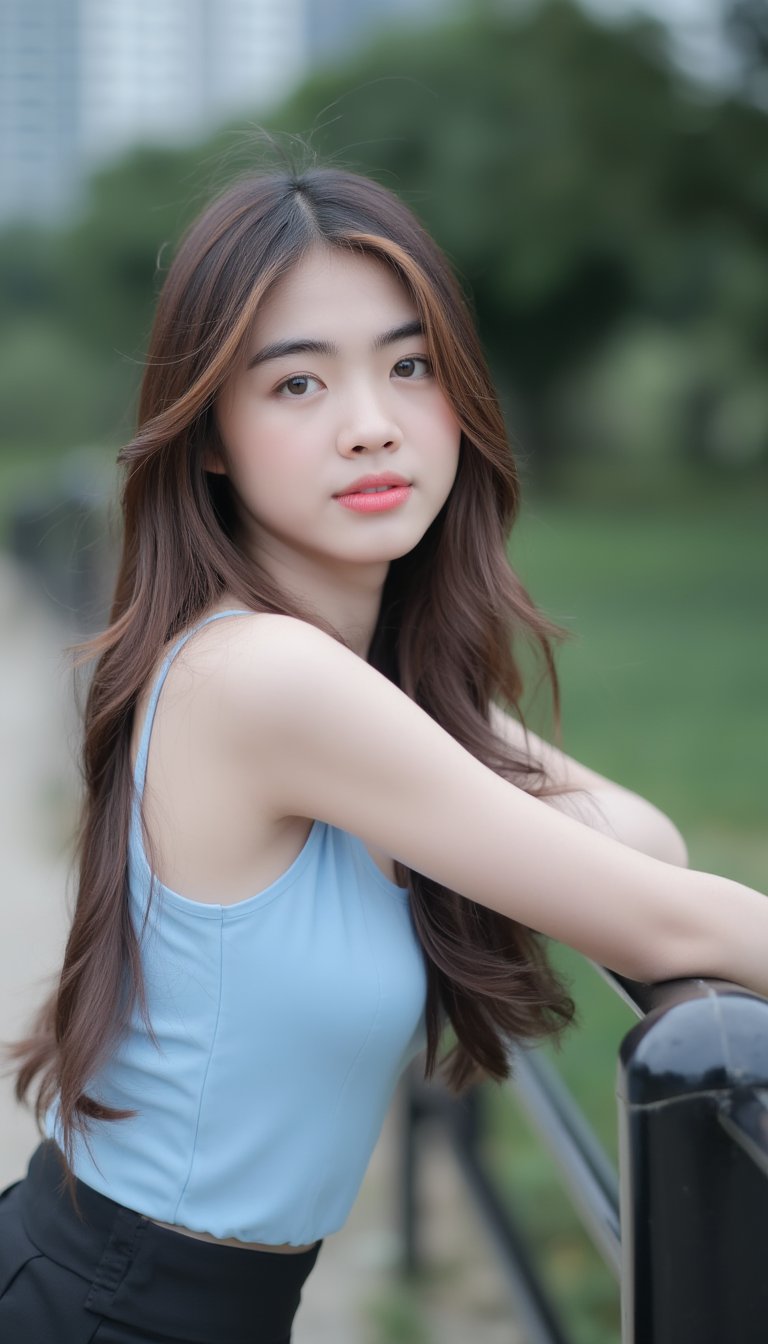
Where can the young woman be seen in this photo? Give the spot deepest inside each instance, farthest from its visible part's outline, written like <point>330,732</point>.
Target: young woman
<point>314,829</point>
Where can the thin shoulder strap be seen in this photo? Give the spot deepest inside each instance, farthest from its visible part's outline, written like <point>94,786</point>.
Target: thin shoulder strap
<point>140,771</point>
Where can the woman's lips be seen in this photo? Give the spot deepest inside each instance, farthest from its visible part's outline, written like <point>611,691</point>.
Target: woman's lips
<point>375,501</point>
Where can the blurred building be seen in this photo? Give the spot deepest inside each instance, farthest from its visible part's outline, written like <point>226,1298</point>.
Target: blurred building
<point>39,105</point>
<point>335,27</point>
<point>170,70</point>
<point>694,28</point>
<point>83,80</point>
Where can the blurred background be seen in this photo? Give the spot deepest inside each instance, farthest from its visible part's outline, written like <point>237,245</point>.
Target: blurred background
<point>598,175</point>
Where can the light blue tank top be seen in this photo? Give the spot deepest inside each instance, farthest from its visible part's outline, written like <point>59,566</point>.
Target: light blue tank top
<point>283,1023</point>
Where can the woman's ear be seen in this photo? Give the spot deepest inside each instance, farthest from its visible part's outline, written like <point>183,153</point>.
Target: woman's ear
<point>212,461</point>
<point>213,455</point>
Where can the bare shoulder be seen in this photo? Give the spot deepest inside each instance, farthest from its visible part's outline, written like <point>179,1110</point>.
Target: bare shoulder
<point>230,668</point>
<point>210,808</point>
<point>265,684</point>
<point>262,660</point>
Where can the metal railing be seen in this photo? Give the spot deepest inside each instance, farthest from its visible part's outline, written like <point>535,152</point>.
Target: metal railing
<point>684,1225</point>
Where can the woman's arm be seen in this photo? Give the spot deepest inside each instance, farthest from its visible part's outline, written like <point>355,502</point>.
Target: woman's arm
<point>592,799</point>
<point>330,738</point>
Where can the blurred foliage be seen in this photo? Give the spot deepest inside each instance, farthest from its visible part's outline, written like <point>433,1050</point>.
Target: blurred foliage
<point>608,216</point>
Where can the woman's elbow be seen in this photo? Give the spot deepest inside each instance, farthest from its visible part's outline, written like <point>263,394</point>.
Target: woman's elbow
<point>669,845</point>
<point>637,823</point>
<point>627,817</point>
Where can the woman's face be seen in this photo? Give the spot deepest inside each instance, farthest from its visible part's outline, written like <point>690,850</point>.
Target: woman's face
<point>336,387</point>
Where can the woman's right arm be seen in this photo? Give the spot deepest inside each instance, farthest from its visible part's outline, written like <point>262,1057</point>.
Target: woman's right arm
<point>331,738</point>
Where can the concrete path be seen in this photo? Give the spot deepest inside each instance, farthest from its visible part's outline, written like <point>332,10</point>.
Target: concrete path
<point>354,1296</point>
<point>37,788</point>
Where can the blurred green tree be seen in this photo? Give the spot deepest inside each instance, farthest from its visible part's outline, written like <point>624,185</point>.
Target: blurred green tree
<point>48,385</point>
<point>583,185</point>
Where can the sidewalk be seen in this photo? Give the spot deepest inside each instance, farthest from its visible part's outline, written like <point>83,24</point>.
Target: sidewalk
<point>353,1297</point>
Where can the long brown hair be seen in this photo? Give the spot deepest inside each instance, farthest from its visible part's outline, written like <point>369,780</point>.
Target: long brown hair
<point>451,616</point>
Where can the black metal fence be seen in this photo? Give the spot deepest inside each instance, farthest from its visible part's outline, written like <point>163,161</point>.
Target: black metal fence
<point>684,1225</point>
<point>61,537</point>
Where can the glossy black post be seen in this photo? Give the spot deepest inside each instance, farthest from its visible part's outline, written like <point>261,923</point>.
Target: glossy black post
<point>694,1168</point>
<point>410,1116</point>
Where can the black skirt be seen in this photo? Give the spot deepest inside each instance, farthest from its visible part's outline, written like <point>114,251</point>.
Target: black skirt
<point>103,1274</point>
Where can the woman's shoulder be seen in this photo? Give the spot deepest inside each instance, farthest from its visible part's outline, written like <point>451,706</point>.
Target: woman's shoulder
<point>250,666</point>
<point>218,659</point>
<point>208,802</point>
<point>224,625</point>
<point>235,643</point>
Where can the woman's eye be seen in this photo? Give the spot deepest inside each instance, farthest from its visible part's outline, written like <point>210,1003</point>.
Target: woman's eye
<point>297,385</point>
<point>415,366</point>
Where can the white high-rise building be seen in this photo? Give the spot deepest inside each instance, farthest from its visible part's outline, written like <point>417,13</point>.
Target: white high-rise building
<point>39,112</point>
<point>82,80</point>
<point>170,70</point>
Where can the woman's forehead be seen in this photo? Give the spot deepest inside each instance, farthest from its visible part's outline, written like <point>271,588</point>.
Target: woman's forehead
<point>331,290</point>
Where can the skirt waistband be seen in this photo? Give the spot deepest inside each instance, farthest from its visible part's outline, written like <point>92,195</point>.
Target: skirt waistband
<point>155,1279</point>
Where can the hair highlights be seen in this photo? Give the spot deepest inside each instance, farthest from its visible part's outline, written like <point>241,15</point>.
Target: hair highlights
<point>452,613</point>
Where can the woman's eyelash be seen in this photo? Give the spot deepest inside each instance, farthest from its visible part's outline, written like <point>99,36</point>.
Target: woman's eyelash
<point>414,359</point>
<point>285,385</point>
<point>296,384</point>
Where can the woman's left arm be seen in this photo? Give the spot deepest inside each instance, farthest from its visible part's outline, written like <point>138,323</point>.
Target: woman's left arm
<point>592,799</point>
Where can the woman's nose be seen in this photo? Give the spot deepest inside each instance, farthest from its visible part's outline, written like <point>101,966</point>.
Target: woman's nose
<point>368,431</point>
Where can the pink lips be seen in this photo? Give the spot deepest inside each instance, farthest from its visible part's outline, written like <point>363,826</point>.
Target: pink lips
<point>386,491</point>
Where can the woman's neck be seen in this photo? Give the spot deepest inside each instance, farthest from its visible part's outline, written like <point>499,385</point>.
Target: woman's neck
<point>347,597</point>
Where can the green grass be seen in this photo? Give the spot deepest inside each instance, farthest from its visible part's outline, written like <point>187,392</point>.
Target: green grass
<point>396,1316</point>
<point>664,680</point>
<point>664,689</point>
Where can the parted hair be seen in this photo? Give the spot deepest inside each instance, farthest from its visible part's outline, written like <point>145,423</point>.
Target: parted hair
<point>449,633</point>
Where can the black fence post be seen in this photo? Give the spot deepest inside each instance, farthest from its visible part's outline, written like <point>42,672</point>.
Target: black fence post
<point>410,1116</point>
<point>60,535</point>
<point>694,1172</point>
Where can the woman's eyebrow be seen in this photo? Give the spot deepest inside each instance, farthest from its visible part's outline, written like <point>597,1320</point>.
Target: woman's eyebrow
<point>401,333</point>
<point>305,346</point>
<point>301,346</point>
